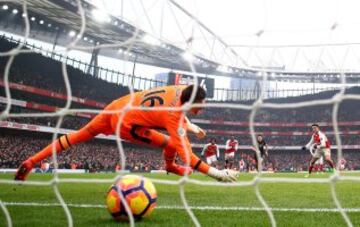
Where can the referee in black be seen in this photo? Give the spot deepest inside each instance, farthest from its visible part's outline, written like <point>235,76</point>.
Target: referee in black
<point>263,148</point>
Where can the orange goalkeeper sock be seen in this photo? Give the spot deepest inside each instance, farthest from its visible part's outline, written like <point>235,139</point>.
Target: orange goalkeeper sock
<point>199,165</point>
<point>310,168</point>
<point>195,162</point>
<point>63,143</point>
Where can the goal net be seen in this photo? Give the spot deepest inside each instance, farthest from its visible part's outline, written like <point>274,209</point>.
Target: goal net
<point>168,35</point>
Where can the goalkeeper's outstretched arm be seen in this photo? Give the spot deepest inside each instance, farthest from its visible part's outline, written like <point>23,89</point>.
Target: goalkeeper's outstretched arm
<point>183,148</point>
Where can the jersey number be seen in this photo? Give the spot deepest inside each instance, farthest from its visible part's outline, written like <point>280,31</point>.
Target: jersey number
<point>151,99</point>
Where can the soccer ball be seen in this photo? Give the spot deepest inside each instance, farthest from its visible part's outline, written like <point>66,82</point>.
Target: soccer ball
<point>139,193</point>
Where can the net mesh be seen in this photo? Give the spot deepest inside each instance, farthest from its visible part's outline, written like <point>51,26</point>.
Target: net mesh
<point>218,51</point>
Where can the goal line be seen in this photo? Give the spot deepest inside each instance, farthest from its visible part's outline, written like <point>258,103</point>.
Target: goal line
<point>218,208</point>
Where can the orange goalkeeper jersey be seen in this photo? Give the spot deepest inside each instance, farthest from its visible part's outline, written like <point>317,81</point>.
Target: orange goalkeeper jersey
<point>160,97</point>
<point>170,120</point>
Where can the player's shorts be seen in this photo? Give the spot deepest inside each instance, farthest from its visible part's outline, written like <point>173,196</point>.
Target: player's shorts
<point>134,133</point>
<point>320,161</point>
<point>211,159</point>
<point>229,156</point>
<point>322,152</point>
<point>107,123</point>
<point>261,157</point>
<point>342,166</point>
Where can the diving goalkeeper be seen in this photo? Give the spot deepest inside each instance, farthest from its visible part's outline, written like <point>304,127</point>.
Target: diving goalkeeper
<point>139,126</point>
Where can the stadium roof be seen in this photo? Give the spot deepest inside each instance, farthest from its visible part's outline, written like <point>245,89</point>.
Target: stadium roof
<point>60,18</point>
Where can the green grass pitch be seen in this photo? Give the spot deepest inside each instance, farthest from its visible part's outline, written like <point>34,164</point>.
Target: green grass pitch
<point>211,202</point>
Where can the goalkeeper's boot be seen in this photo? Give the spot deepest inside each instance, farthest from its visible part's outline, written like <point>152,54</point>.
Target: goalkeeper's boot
<point>179,170</point>
<point>24,170</point>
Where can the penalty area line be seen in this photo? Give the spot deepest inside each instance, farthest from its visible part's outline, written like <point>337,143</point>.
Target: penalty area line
<point>218,208</point>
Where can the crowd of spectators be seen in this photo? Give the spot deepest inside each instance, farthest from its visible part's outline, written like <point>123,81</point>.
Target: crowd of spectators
<point>103,155</point>
<point>68,122</point>
<point>97,155</point>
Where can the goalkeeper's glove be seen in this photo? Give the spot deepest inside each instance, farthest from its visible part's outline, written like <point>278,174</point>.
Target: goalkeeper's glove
<point>303,148</point>
<point>225,175</point>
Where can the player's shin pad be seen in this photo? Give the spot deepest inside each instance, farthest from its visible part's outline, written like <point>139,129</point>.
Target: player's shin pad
<point>225,175</point>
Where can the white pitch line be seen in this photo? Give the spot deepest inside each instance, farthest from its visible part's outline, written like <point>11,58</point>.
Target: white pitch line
<point>218,208</point>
